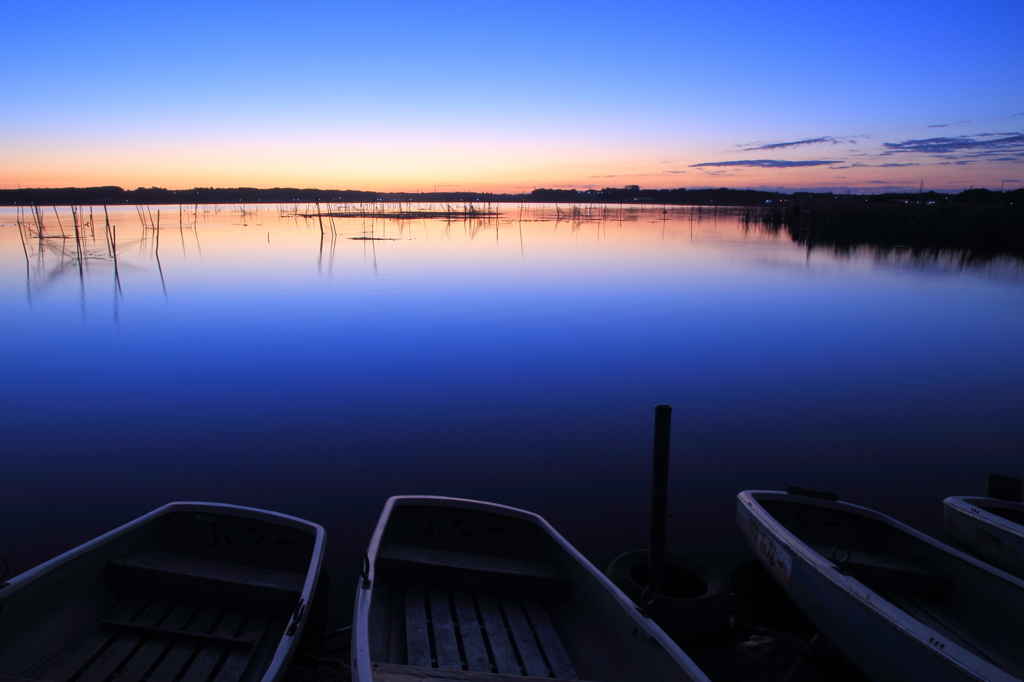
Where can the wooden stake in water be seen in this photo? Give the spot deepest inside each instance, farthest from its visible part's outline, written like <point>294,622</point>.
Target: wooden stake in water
<point>659,496</point>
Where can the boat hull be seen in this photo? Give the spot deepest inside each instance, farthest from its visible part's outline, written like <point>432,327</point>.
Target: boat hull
<point>975,524</point>
<point>879,638</point>
<point>447,556</point>
<point>186,587</point>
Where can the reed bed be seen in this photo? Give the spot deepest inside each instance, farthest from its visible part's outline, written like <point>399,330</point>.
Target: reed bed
<point>50,249</point>
<point>977,232</point>
<point>406,211</point>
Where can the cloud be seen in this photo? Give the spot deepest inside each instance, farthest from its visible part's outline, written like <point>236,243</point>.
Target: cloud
<point>884,187</point>
<point>879,165</point>
<point>1008,146</point>
<point>765,163</point>
<point>828,139</point>
<point>633,175</point>
<point>946,125</point>
<point>784,145</point>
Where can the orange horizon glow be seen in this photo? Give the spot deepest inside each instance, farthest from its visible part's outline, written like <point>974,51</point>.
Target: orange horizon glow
<point>442,161</point>
<point>499,180</point>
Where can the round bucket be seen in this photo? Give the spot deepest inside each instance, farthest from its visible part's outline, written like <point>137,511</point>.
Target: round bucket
<point>690,605</point>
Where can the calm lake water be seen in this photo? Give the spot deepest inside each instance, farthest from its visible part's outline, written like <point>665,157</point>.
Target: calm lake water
<point>241,357</point>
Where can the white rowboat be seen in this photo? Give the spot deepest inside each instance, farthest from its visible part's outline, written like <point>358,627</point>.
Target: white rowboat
<point>988,528</point>
<point>899,604</point>
<point>478,592</point>
<point>191,592</point>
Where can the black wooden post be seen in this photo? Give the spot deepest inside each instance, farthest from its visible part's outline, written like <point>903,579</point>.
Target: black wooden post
<point>659,496</point>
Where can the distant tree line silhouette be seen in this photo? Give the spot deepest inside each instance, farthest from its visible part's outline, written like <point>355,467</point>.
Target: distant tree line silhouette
<point>80,196</point>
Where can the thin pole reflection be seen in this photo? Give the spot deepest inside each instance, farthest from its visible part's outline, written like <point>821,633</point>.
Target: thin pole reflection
<point>28,265</point>
<point>159,267</point>
<point>330,262</point>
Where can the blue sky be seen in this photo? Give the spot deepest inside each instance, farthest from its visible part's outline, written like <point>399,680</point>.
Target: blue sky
<point>406,96</point>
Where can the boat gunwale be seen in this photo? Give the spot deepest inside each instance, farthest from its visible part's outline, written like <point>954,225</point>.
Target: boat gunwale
<point>360,634</point>
<point>968,662</point>
<point>285,647</point>
<point>968,506</point>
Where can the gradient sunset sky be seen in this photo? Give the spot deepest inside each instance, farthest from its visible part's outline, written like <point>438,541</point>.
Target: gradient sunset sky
<point>403,96</point>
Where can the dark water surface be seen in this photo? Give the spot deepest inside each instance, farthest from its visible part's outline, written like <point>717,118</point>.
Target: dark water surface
<point>247,359</point>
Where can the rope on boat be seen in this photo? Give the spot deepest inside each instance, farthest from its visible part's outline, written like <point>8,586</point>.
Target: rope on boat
<point>840,563</point>
<point>646,603</point>
<point>365,573</point>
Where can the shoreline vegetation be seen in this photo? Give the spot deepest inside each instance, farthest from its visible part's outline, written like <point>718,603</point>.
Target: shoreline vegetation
<point>448,211</point>
<point>631,194</point>
<point>972,233</point>
<point>975,226</point>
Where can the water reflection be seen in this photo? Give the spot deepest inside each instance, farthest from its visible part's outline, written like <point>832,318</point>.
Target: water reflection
<point>252,356</point>
<point>89,243</point>
<point>969,234</point>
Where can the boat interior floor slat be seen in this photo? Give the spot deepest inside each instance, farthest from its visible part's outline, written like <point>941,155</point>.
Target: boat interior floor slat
<point>68,660</point>
<point>928,615</point>
<point>159,639</point>
<point>237,659</point>
<point>390,672</point>
<point>182,650</point>
<point>153,647</point>
<point>482,634</point>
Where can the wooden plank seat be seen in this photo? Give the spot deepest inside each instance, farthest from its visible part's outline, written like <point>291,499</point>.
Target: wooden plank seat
<point>146,638</point>
<point>406,565</point>
<point>205,580</point>
<point>455,630</point>
<point>884,573</point>
<point>181,635</point>
<point>389,672</point>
